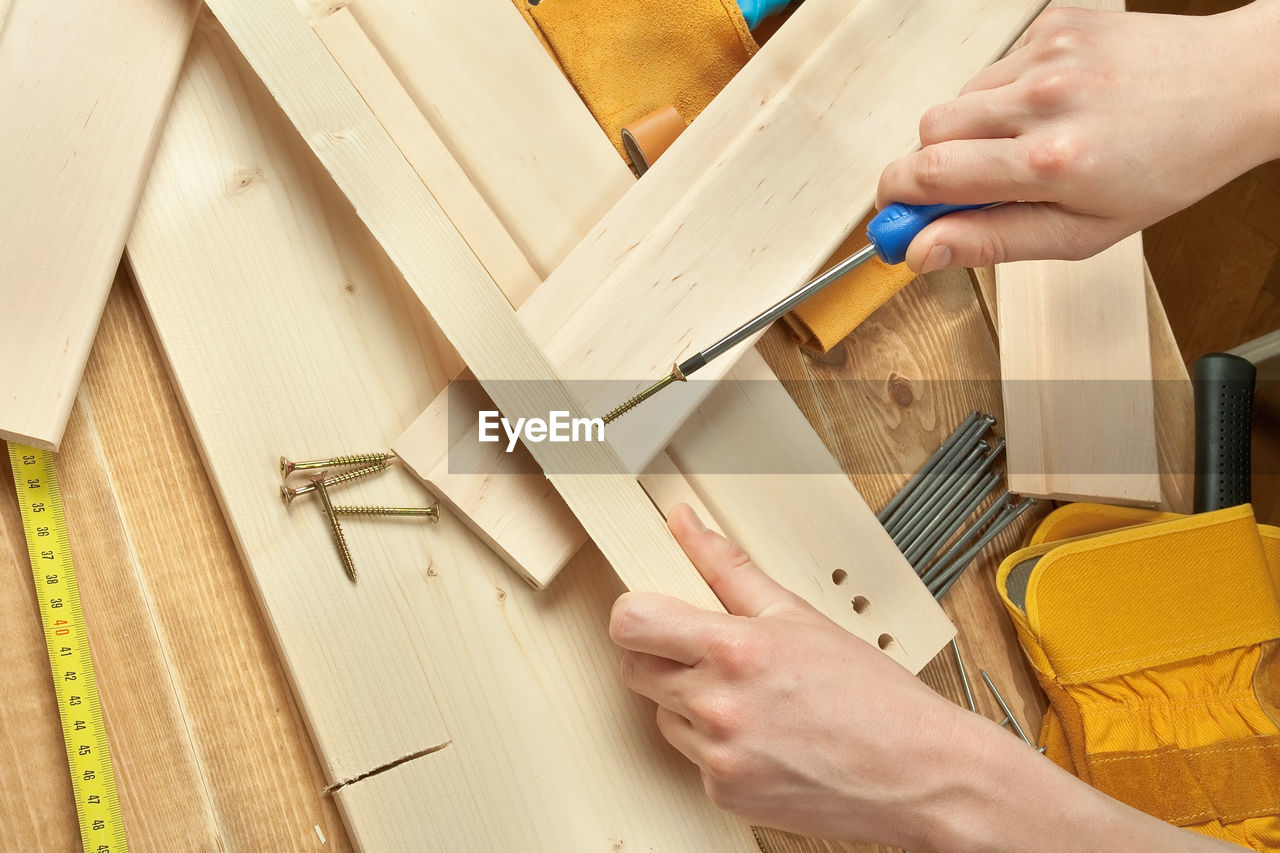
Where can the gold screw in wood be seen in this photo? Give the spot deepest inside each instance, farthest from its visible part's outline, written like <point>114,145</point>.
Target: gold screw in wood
<point>339,539</point>
<point>287,467</point>
<point>430,512</point>
<point>287,494</point>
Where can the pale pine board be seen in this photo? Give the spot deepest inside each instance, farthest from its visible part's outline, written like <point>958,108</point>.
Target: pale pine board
<point>83,92</point>
<point>523,518</point>
<point>803,520</point>
<point>746,204</point>
<point>1076,365</point>
<point>429,155</point>
<point>287,331</point>
<point>439,268</point>
<point>476,73</point>
<point>208,747</point>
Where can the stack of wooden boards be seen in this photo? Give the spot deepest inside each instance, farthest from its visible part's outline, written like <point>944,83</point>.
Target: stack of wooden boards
<point>289,327</point>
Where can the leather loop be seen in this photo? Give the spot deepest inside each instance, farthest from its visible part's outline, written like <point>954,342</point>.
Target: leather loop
<point>646,138</point>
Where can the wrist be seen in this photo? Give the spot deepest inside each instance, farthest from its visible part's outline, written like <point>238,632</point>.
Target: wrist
<point>1253,31</point>
<point>1002,795</point>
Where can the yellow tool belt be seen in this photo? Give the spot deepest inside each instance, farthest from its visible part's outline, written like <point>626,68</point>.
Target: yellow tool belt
<point>1154,637</point>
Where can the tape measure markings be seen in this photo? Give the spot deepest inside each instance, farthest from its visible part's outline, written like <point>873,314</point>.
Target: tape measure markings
<point>79,706</point>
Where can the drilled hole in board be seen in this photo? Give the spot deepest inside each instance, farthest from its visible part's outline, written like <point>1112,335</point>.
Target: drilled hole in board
<point>861,604</point>
<point>838,576</point>
<point>885,642</point>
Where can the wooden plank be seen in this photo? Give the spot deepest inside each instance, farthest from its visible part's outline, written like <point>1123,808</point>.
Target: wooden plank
<point>269,297</point>
<point>480,79</point>
<point>83,92</point>
<point>787,156</point>
<point>527,523</point>
<point>882,401</point>
<point>1076,356</point>
<point>429,155</point>
<point>208,748</point>
<point>440,269</point>
<point>804,524</point>
<point>1174,405</point>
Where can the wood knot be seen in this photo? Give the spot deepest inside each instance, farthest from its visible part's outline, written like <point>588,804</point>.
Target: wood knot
<point>350,286</point>
<point>502,594</point>
<point>243,180</point>
<point>900,391</point>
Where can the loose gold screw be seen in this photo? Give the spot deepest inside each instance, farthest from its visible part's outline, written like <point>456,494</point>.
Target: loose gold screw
<point>287,494</point>
<point>287,467</point>
<point>431,512</point>
<point>338,538</point>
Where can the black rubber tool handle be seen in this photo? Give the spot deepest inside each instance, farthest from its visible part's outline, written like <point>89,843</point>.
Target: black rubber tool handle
<point>1224,407</point>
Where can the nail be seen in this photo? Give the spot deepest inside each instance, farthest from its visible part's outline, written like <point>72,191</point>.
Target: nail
<point>1004,706</point>
<point>964,677</point>
<point>287,467</point>
<point>939,257</point>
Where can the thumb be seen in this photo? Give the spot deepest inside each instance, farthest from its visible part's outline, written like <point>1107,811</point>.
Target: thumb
<point>742,588</point>
<point>1022,231</point>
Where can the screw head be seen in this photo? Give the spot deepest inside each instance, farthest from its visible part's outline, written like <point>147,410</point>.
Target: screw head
<point>286,467</point>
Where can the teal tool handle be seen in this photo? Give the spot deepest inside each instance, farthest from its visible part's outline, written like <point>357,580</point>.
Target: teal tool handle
<point>893,229</point>
<point>756,11</point>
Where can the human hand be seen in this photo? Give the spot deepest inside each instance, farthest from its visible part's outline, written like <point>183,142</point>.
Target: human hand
<point>793,721</point>
<point>1102,124</point>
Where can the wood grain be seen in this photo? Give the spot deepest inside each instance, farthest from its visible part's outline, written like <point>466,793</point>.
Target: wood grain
<point>1174,412</point>
<point>1078,393</point>
<point>209,749</point>
<point>882,401</point>
<point>83,92</point>
<point>288,332</point>
<point>748,201</point>
<point>442,272</point>
<point>479,78</point>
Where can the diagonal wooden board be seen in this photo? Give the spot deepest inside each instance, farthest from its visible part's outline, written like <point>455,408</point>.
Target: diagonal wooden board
<point>438,266</point>
<point>747,138</point>
<point>474,71</point>
<point>287,330</point>
<point>762,426</point>
<point>83,92</point>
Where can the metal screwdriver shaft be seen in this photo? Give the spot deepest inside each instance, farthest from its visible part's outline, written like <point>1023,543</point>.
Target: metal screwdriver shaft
<point>890,232</point>
<point>680,372</point>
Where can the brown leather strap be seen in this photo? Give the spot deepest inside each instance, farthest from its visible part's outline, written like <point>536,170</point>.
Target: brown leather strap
<point>1227,781</point>
<point>647,137</point>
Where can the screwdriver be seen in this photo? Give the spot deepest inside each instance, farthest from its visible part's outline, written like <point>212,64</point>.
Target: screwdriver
<point>890,232</point>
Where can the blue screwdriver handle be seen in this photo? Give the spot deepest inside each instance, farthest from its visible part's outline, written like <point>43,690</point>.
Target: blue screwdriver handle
<point>893,229</point>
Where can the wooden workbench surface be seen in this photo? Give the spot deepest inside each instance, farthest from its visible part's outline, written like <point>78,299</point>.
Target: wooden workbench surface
<point>210,750</point>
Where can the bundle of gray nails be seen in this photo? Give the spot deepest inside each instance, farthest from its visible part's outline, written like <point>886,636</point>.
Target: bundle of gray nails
<point>361,465</point>
<point>933,506</point>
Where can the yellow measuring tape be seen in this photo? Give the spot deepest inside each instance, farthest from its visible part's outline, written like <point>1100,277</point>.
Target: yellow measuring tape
<point>92,780</point>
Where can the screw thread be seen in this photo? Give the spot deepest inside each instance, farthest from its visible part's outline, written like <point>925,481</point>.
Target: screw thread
<point>359,472</point>
<point>287,467</point>
<point>339,538</point>
<point>432,512</point>
<point>613,414</point>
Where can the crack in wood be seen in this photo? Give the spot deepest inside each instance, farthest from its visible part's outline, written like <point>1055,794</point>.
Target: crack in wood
<point>382,768</point>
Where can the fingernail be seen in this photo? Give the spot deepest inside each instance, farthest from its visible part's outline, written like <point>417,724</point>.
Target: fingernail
<point>939,257</point>
<point>696,522</point>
